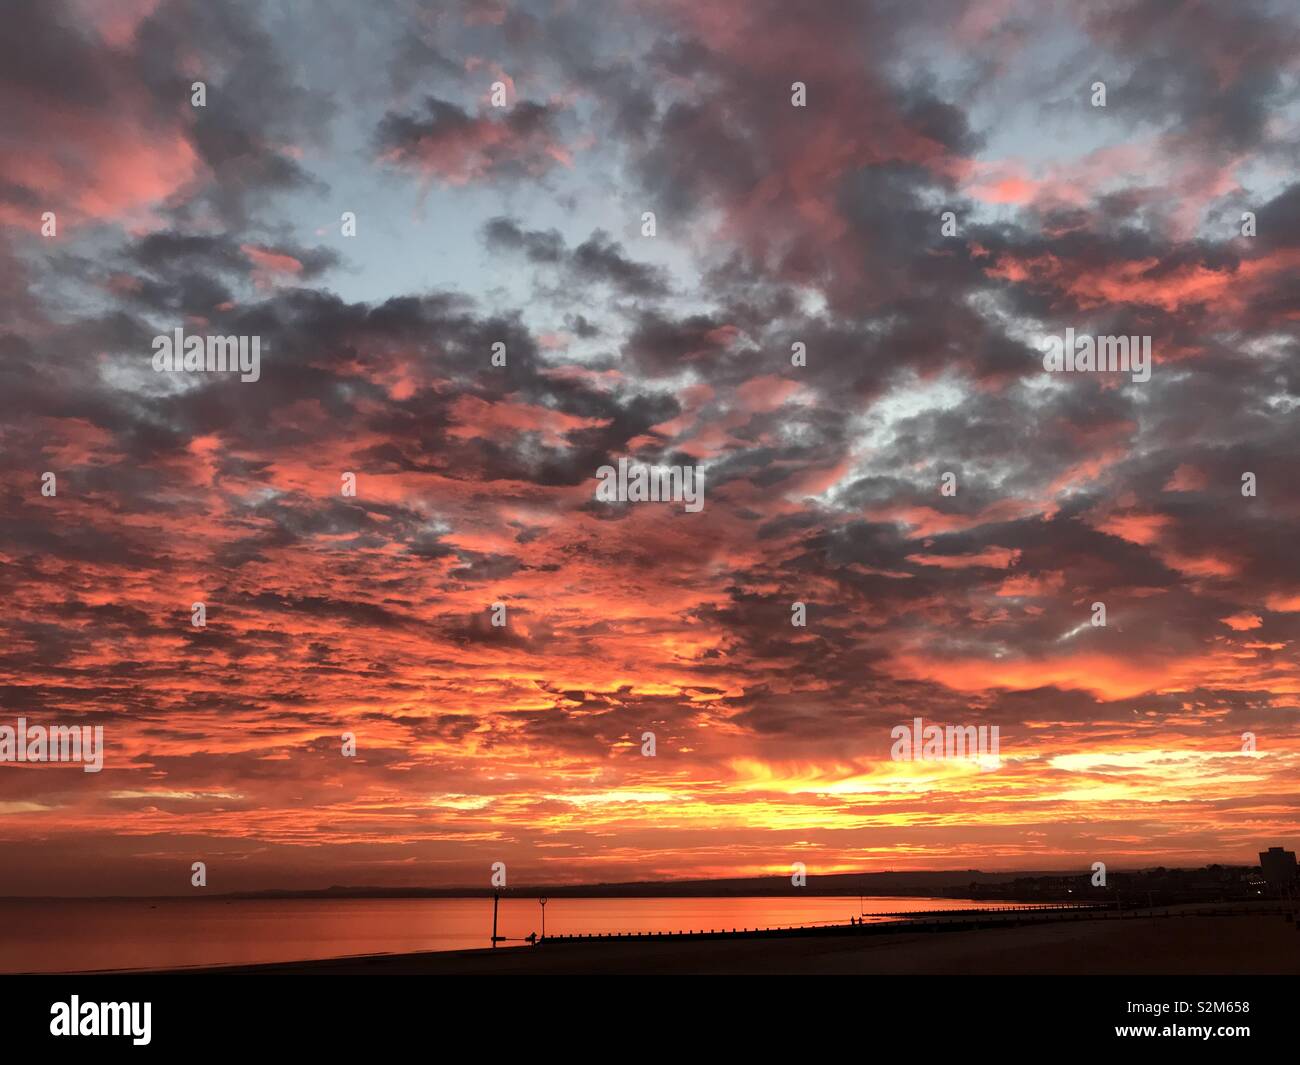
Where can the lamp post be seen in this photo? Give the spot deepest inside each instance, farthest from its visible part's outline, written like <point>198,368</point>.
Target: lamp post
<point>543,902</point>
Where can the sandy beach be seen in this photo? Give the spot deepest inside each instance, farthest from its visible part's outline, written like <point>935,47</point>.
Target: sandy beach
<point>1156,945</point>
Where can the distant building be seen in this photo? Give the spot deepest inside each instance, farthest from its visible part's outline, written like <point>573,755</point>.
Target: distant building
<point>1278,867</point>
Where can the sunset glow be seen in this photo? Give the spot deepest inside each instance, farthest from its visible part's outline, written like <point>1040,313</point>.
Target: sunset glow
<point>371,614</point>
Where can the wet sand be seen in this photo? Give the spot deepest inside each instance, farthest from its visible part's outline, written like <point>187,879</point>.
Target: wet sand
<point>1179,945</point>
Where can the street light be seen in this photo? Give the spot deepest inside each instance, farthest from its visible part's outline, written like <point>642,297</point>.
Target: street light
<point>543,905</point>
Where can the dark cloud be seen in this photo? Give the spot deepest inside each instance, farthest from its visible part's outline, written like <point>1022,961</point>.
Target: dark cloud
<point>444,141</point>
<point>597,260</point>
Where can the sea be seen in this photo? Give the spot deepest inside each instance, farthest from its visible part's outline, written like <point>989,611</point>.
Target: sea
<point>93,935</point>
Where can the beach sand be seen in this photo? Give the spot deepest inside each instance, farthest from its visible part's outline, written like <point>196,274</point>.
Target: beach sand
<point>1179,945</point>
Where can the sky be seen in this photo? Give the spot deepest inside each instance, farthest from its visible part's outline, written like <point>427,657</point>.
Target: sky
<point>917,194</point>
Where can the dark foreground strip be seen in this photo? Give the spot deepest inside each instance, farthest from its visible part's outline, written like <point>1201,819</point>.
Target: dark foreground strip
<point>213,1014</point>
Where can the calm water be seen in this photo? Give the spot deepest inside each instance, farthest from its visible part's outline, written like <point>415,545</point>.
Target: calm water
<point>75,935</point>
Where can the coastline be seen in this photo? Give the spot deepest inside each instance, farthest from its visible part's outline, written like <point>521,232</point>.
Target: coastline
<point>1239,943</point>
